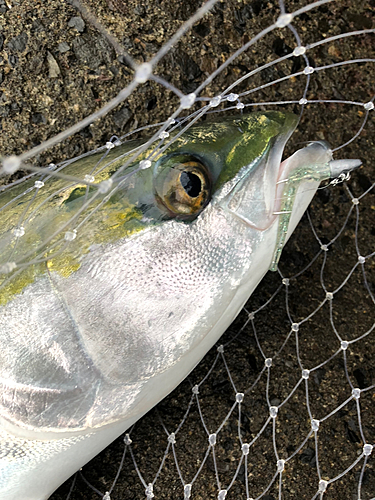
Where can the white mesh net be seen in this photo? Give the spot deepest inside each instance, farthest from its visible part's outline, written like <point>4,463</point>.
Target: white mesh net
<point>284,407</point>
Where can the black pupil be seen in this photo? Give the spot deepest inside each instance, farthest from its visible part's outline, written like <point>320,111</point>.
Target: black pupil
<point>191,183</point>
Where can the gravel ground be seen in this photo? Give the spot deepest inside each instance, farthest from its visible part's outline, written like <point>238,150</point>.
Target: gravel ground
<point>55,69</point>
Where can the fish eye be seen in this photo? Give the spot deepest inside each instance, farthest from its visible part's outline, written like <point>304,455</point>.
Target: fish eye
<point>182,185</point>
<point>191,182</point>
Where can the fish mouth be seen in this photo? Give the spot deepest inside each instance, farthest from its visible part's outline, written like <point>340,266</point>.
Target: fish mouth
<point>268,187</point>
<point>271,191</point>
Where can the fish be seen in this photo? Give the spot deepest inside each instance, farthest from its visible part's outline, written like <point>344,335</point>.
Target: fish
<point>119,275</point>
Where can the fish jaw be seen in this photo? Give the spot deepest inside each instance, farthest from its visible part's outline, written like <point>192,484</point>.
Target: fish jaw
<point>262,192</point>
<point>273,193</point>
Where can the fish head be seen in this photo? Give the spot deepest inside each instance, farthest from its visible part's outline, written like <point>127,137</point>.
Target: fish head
<point>236,167</point>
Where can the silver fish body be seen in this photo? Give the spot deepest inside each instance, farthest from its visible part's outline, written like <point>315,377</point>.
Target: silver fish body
<point>105,327</point>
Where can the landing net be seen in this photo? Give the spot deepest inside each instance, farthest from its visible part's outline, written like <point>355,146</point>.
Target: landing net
<point>283,407</point>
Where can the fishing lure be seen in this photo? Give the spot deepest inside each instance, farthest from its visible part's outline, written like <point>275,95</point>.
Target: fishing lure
<point>113,289</point>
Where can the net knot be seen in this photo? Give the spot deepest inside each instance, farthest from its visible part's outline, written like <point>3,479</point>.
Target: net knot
<point>344,345</point>
<point>215,101</point>
<point>369,106</point>
<point>356,393</point>
<point>308,70</point>
<point>105,186</point>
<point>323,485</point>
<point>143,73</point>
<point>305,374</point>
<point>19,231</point>
<point>268,362</point>
<point>143,164</point>
<point>284,20</point>
<point>212,439</point>
<point>280,465</point>
<point>367,449</point>
<point>187,491</point>
<point>273,411</point>
<point>239,397</point>
<point>299,51</point>
<point>149,491</point>
<point>315,425</point>
<point>172,438</point>
<point>8,267</point>
<point>70,235</point>
<point>245,448</point>
<point>127,440</point>
<point>188,100</point>
<point>90,179</point>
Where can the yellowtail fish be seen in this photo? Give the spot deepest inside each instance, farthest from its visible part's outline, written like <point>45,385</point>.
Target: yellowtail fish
<point>113,289</point>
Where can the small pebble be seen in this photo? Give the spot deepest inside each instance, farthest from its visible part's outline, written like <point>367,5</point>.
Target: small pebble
<point>121,117</point>
<point>18,43</point>
<point>63,47</point>
<point>78,23</point>
<point>53,67</point>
